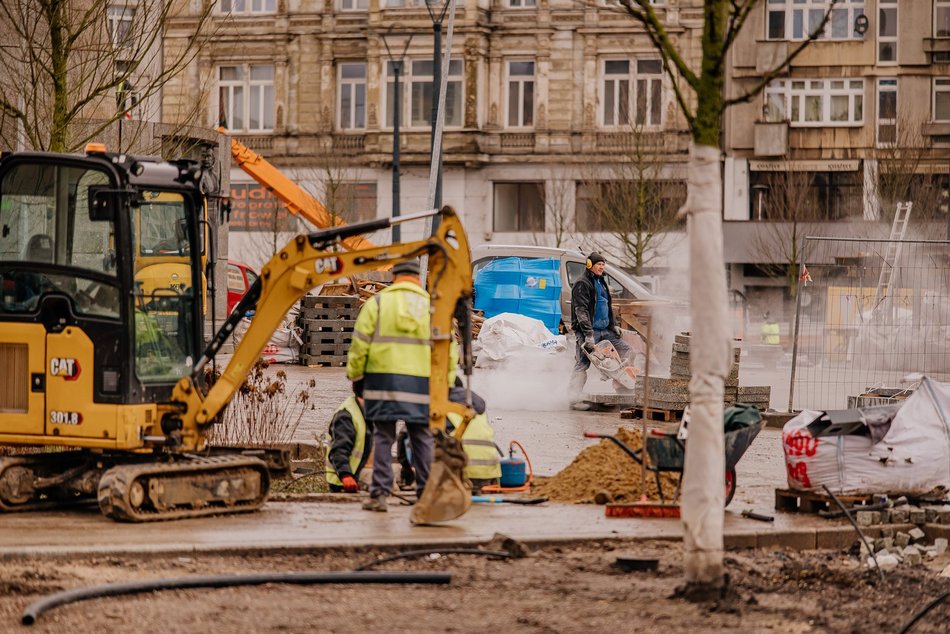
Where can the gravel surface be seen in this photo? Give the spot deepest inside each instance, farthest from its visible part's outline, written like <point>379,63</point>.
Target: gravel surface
<point>575,588</point>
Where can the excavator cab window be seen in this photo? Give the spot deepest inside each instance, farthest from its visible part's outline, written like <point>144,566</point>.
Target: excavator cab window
<point>165,294</point>
<point>50,243</point>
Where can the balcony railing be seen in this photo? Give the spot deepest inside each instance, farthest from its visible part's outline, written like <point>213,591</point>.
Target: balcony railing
<point>349,142</point>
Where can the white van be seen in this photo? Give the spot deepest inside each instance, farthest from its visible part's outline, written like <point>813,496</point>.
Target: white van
<point>573,264</point>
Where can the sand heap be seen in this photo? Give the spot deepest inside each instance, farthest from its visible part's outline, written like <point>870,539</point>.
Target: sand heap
<point>605,468</point>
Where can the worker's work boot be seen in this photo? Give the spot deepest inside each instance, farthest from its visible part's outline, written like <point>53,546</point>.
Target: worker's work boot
<point>580,406</point>
<point>377,504</point>
<point>575,391</point>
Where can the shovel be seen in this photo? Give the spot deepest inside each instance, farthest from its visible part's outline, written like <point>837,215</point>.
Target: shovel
<point>492,499</point>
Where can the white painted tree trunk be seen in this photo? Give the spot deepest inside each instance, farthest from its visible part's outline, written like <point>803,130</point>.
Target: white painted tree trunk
<point>710,357</point>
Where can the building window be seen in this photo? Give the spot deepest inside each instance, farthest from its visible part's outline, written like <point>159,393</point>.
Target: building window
<point>246,97</point>
<point>120,26</point>
<point>815,102</point>
<point>519,207</point>
<point>886,112</point>
<point>520,94</point>
<point>887,32</point>
<point>797,19</point>
<point>352,96</point>
<point>942,100</point>
<point>522,4</point>
<point>355,202</point>
<point>248,6</point>
<point>354,5</point>
<point>417,76</point>
<point>942,18</point>
<point>635,86</point>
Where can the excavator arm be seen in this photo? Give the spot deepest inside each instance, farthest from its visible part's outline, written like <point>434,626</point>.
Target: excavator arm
<point>294,197</point>
<point>306,262</point>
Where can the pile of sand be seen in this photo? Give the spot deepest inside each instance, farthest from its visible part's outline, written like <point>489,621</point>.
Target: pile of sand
<point>605,468</point>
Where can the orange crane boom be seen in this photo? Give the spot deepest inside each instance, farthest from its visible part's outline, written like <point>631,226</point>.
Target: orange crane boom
<point>294,197</point>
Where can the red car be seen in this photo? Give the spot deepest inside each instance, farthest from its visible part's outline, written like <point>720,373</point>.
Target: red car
<point>240,278</point>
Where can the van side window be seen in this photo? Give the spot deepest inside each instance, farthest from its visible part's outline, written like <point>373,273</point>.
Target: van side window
<point>616,290</point>
<point>574,272</point>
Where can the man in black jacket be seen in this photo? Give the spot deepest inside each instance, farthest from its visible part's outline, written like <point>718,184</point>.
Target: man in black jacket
<point>592,320</point>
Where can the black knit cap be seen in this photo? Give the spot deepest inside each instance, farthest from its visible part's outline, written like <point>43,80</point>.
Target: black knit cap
<point>595,257</point>
<point>410,267</point>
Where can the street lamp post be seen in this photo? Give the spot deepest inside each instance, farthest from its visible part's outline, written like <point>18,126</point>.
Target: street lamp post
<point>436,17</point>
<point>396,63</point>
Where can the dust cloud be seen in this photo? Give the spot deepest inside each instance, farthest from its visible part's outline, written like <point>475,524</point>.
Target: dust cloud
<point>530,380</point>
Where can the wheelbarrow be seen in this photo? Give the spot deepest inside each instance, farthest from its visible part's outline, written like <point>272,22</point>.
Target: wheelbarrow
<point>666,450</point>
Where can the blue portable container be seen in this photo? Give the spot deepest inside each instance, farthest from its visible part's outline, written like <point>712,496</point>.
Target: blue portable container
<point>530,287</point>
<point>513,472</point>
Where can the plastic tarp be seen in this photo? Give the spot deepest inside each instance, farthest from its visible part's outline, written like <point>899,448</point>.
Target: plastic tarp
<point>530,287</point>
<point>912,458</point>
<point>510,334</point>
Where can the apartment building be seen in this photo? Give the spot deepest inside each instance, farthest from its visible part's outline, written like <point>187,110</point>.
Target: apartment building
<point>542,98</point>
<point>860,121</point>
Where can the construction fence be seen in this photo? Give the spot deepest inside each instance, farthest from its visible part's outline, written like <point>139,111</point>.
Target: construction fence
<point>872,317</point>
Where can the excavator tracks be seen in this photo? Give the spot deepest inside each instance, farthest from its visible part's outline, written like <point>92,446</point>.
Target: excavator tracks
<point>27,482</point>
<point>191,487</point>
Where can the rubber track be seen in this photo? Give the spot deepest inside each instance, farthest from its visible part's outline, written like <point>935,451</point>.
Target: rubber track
<point>116,483</point>
<point>34,504</point>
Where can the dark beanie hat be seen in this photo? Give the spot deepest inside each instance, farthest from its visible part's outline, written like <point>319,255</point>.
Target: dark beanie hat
<point>595,257</point>
<point>410,267</point>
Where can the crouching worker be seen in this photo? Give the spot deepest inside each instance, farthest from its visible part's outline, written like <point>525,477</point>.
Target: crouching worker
<point>478,441</point>
<point>349,444</point>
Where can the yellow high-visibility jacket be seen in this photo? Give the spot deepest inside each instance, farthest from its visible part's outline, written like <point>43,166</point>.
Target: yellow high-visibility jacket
<point>359,453</point>
<point>770,334</point>
<point>391,352</point>
<point>478,442</point>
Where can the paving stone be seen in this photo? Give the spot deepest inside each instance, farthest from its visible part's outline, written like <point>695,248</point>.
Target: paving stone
<point>867,518</point>
<point>888,562</point>
<point>916,534</point>
<point>901,539</point>
<point>917,515</point>
<point>912,556</point>
<point>899,515</point>
<point>940,545</point>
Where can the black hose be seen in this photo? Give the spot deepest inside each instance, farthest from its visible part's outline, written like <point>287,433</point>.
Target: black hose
<point>864,539</point>
<point>502,554</point>
<point>930,606</point>
<point>225,581</point>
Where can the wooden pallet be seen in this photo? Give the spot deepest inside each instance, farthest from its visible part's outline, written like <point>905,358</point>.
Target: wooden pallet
<point>653,413</point>
<point>320,338</point>
<point>345,307</point>
<point>326,349</point>
<point>793,501</point>
<point>328,325</point>
<point>317,361</point>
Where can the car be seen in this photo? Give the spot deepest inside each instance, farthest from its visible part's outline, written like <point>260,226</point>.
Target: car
<point>623,288</point>
<point>240,278</point>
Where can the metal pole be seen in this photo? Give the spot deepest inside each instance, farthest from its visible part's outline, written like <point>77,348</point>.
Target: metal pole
<point>397,106</point>
<point>436,79</point>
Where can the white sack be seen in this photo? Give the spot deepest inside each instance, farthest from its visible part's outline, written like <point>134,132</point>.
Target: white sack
<point>913,458</point>
<point>510,334</point>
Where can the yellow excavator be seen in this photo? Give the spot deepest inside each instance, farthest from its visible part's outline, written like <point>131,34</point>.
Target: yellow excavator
<point>109,384</point>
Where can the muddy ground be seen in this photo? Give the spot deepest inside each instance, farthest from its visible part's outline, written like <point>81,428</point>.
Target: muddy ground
<point>576,588</point>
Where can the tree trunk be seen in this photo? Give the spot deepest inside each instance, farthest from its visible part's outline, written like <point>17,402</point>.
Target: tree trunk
<point>710,355</point>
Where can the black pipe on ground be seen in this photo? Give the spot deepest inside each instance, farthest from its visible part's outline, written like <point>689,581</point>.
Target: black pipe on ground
<point>410,554</point>
<point>34,611</point>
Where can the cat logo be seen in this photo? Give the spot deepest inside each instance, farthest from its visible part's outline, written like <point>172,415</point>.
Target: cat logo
<point>328,265</point>
<point>64,367</point>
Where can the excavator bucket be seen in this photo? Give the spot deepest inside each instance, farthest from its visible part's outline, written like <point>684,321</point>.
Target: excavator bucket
<point>447,494</point>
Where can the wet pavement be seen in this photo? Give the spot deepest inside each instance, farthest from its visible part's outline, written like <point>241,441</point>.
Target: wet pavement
<point>527,407</point>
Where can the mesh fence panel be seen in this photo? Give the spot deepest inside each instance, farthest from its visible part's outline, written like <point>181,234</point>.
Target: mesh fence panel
<point>872,315</point>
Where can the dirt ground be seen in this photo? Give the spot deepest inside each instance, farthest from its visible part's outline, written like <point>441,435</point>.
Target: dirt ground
<point>574,588</point>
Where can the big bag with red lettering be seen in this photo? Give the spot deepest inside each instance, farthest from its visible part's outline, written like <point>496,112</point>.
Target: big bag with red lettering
<point>912,458</point>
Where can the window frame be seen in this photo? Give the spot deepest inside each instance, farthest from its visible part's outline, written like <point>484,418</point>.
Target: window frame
<point>354,83</point>
<point>886,85</point>
<point>249,87</point>
<point>939,81</point>
<point>408,77</point>
<point>522,4</point>
<point>247,7</point>
<point>786,89</point>
<point>882,6</point>
<point>937,6</point>
<point>116,16</point>
<point>520,83</point>
<point>653,103</point>
<point>355,6</point>
<point>807,8</point>
<point>518,218</point>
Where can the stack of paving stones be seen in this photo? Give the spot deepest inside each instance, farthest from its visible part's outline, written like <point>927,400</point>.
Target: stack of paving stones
<point>327,323</point>
<point>905,535</point>
<point>673,393</point>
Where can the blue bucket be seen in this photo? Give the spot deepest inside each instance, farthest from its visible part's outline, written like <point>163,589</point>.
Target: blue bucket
<point>513,472</point>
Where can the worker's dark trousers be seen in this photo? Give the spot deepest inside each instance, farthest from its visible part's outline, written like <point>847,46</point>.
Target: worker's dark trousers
<point>420,442</point>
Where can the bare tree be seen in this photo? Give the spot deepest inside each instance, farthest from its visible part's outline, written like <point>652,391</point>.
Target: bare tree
<point>631,201</point>
<point>784,202</point>
<point>70,69</point>
<point>701,96</point>
<point>558,222</point>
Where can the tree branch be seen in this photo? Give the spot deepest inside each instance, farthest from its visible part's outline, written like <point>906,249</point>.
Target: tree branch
<point>642,11</point>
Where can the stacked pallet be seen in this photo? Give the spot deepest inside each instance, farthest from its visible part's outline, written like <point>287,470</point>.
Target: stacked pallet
<point>328,322</point>
<point>672,394</point>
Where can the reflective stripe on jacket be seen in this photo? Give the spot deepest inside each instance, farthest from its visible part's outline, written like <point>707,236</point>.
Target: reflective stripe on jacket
<point>478,442</point>
<point>771,334</point>
<point>391,352</point>
<point>357,457</point>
